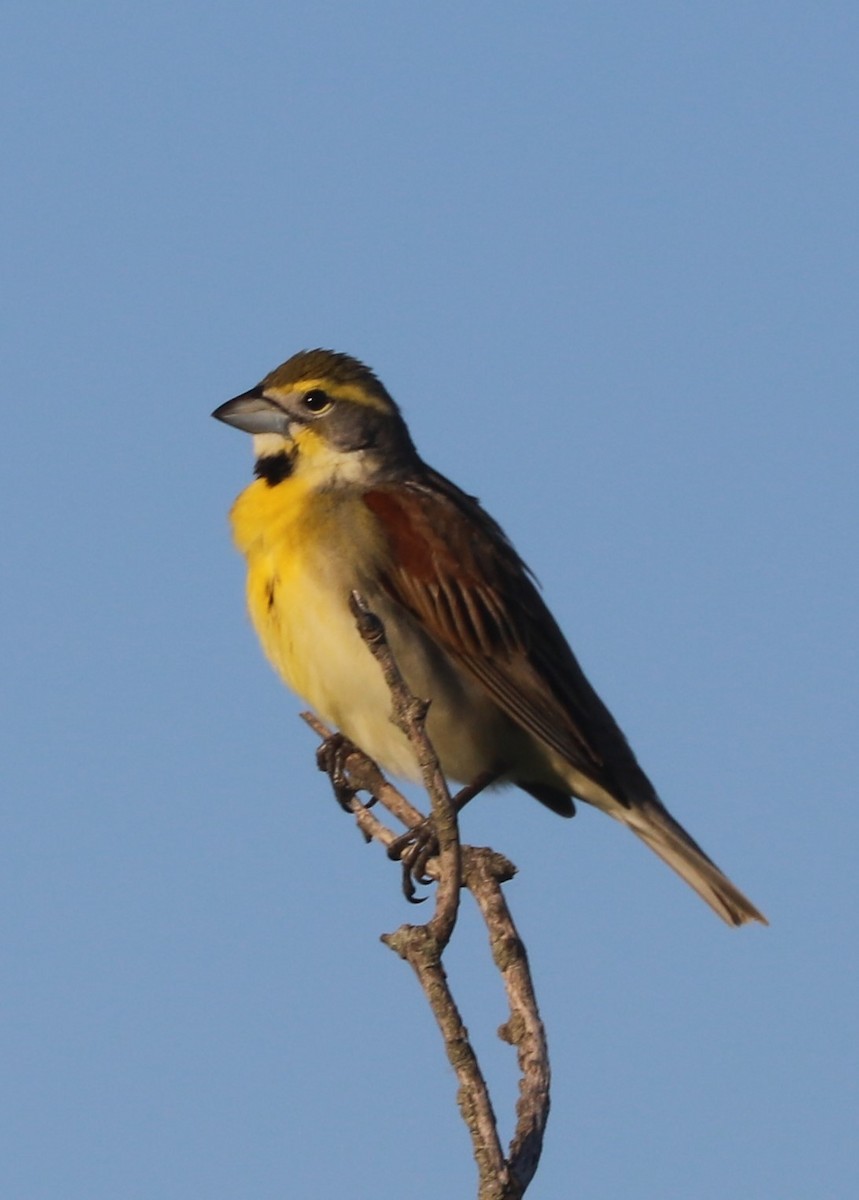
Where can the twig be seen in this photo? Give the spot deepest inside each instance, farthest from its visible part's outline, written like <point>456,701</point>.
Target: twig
<point>485,871</point>
<point>409,715</point>
<point>482,872</point>
<point>416,944</point>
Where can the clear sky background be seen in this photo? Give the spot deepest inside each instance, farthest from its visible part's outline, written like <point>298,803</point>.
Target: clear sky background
<point>604,255</point>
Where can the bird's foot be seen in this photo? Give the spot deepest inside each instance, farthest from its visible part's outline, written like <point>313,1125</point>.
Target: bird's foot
<point>331,758</point>
<point>418,845</point>
<point>413,850</point>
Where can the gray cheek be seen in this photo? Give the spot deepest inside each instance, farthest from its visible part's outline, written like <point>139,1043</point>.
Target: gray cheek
<point>356,430</point>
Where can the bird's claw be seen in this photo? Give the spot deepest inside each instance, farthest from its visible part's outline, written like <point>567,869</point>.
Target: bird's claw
<point>414,850</point>
<point>331,758</point>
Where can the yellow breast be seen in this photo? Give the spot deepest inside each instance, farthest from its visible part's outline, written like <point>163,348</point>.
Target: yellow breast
<point>306,550</point>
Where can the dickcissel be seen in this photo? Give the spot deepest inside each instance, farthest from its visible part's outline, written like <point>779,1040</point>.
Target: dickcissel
<point>342,501</point>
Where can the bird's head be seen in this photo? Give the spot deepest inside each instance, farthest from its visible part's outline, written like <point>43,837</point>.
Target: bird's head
<point>326,416</point>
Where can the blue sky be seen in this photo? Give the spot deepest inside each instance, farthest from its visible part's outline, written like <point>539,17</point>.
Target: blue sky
<point>604,255</point>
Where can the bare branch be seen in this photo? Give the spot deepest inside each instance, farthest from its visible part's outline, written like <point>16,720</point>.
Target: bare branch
<point>485,871</point>
<point>482,872</point>
<point>416,944</point>
<point>409,715</point>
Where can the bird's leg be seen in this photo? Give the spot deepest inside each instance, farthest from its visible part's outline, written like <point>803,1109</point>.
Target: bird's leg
<point>484,780</point>
<point>331,758</point>
<point>418,845</point>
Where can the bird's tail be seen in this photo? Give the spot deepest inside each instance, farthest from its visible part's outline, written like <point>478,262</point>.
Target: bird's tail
<point>652,822</point>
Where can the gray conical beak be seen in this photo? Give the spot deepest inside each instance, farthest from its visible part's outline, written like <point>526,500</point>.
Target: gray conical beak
<point>253,413</point>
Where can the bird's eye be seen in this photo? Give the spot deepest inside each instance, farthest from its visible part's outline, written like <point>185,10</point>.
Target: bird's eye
<point>316,401</point>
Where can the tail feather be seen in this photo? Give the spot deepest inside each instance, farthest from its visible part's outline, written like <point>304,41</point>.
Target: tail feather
<point>667,838</point>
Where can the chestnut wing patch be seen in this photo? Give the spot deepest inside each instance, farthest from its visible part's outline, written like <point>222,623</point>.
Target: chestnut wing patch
<point>438,574</point>
<point>453,568</point>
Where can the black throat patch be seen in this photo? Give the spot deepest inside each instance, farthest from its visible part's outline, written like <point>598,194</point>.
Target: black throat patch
<point>273,468</point>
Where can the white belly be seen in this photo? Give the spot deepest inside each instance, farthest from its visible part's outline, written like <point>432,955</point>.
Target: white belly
<point>311,637</point>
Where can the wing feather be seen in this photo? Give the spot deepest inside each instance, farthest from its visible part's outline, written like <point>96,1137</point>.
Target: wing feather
<point>454,569</point>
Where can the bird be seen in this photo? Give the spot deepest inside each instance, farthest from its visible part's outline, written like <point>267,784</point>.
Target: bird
<point>342,502</point>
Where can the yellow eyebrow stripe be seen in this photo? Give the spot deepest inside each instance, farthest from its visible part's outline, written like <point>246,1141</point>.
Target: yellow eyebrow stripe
<point>337,391</point>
